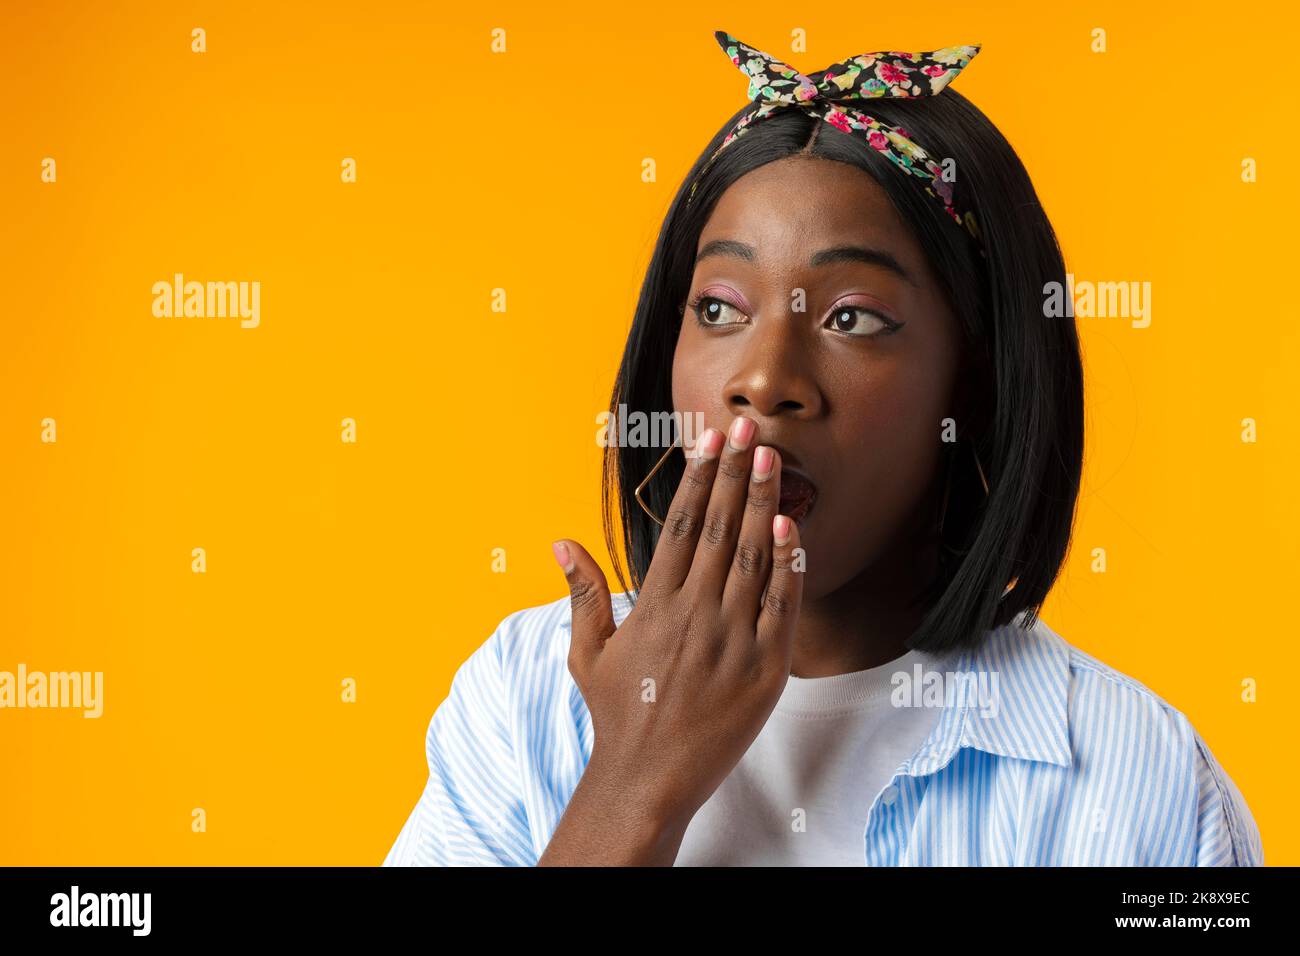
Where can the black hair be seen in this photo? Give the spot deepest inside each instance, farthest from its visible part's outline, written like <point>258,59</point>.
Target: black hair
<point>1021,384</point>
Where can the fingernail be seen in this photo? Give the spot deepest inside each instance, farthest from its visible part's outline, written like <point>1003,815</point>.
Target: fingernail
<point>781,529</point>
<point>562,556</point>
<point>762,463</point>
<point>709,445</point>
<point>742,430</point>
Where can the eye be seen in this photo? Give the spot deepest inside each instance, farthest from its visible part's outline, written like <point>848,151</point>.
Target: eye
<point>855,320</point>
<point>713,312</point>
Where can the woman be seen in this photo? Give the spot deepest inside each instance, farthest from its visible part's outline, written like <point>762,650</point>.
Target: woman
<point>828,651</point>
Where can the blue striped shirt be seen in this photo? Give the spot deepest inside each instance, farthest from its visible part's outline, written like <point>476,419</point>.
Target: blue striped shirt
<point>1076,765</point>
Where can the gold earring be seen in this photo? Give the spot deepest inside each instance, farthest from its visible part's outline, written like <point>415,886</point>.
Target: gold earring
<point>646,481</point>
<point>948,486</point>
<point>980,468</point>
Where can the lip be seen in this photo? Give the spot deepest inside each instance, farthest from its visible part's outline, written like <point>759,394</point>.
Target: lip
<point>791,468</point>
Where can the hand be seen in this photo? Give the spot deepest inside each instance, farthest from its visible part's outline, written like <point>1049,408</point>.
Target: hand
<point>679,692</point>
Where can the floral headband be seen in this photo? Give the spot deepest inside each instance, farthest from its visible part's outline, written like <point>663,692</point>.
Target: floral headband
<point>773,86</point>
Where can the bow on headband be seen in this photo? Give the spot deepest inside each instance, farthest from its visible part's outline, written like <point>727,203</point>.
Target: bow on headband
<point>773,86</point>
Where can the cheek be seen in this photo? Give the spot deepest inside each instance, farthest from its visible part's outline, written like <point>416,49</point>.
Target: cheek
<point>889,423</point>
<point>695,382</point>
<point>902,409</point>
<point>909,394</point>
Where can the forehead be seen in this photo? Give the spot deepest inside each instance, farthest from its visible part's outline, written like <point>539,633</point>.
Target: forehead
<point>788,207</point>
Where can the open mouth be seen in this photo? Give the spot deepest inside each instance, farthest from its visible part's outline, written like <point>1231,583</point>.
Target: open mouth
<point>798,495</point>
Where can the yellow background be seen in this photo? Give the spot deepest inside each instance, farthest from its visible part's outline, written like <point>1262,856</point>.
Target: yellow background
<point>476,429</point>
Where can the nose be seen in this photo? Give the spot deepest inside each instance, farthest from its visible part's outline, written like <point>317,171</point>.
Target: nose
<point>773,375</point>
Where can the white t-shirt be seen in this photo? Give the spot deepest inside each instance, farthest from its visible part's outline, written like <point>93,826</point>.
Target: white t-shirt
<point>800,794</point>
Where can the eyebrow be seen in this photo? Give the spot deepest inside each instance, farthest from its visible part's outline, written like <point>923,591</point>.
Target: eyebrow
<point>872,257</point>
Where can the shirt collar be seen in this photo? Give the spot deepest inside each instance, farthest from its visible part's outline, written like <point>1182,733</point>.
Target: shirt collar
<point>1025,674</point>
<point>1027,671</point>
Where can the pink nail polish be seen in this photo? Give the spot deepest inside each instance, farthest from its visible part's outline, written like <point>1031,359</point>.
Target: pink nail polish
<point>762,463</point>
<point>562,556</point>
<point>710,444</point>
<point>781,529</point>
<point>742,430</point>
